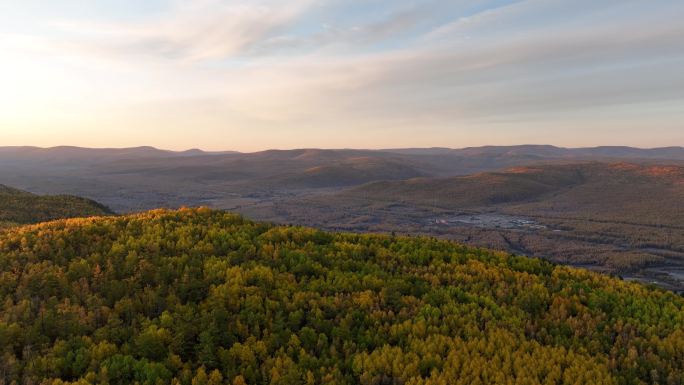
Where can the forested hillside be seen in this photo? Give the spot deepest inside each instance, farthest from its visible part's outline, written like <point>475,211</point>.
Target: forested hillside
<point>203,297</point>
<point>21,207</point>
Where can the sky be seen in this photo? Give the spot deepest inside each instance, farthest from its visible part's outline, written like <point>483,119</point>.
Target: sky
<point>249,75</point>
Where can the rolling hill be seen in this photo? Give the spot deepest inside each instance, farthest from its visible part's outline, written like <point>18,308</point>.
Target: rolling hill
<point>624,192</point>
<point>21,207</point>
<point>133,179</point>
<point>473,191</point>
<point>348,172</point>
<point>207,297</point>
<point>553,152</point>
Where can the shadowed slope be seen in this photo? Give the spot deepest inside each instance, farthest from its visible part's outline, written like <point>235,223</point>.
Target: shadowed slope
<point>18,206</point>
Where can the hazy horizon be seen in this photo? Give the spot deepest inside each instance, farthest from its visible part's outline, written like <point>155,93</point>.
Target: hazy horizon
<point>228,150</point>
<point>250,75</point>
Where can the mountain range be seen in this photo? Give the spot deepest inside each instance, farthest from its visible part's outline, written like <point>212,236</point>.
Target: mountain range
<point>144,177</point>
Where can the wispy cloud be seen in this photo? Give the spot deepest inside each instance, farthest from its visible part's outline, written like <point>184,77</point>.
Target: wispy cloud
<point>346,37</point>
<point>192,30</point>
<point>314,67</point>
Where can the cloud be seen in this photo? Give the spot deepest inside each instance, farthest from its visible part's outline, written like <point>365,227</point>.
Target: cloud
<point>347,37</point>
<point>217,30</point>
<point>307,65</point>
<point>191,31</point>
<point>605,62</point>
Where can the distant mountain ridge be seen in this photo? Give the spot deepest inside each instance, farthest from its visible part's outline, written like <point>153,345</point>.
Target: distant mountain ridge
<point>73,153</point>
<point>673,152</point>
<point>140,178</point>
<point>540,150</point>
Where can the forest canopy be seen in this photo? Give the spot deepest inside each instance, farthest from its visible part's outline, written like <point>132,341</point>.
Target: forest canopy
<point>199,297</point>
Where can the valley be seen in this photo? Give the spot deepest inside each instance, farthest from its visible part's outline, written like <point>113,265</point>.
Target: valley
<point>613,249</point>
<point>584,214</point>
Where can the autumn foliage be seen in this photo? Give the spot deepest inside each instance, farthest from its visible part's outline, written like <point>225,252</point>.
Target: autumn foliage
<point>199,297</point>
